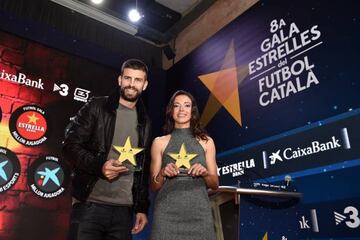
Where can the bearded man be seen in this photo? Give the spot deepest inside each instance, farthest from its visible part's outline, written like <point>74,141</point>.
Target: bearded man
<point>107,144</point>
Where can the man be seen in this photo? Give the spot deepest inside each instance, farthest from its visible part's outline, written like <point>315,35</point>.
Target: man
<point>107,143</point>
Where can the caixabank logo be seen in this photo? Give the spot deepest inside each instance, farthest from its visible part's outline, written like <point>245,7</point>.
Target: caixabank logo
<point>28,125</point>
<point>315,147</point>
<point>9,169</point>
<point>22,78</point>
<point>48,177</point>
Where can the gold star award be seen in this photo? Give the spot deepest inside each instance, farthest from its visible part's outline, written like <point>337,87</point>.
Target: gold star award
<point>127,152</point>
<point>182,158</point>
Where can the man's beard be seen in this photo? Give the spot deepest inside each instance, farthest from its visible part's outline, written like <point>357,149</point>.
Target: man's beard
<point>129,98</point>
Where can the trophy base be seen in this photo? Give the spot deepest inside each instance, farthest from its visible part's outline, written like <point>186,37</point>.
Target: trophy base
<point>183,172</point>
<point>130,167</point>
<point>117,164</point>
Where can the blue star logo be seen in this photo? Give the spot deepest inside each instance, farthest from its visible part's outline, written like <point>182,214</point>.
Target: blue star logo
<point>2,172</point>
<point>50,174</point>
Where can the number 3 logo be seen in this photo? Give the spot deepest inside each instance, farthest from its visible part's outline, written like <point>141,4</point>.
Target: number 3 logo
<point>354,216</point>
<point>64,90</point>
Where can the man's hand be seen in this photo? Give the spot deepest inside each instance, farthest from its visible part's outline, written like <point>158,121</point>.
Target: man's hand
<point>111,171</point>
<point>140,222</point>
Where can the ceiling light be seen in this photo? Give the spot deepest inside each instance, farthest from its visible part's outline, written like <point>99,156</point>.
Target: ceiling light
<point>98,15</point>
<point>134,15</point>
<point>97,1</point>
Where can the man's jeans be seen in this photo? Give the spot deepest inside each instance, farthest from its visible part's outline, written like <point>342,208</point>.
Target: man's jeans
<point>94,221</point>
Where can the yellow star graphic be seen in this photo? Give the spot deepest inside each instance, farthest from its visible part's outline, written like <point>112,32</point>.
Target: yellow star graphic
<point>182,158</point>
<point>127,152</point>
<point>32,118</point>
<point>265,237</point>
<point>223,86</point>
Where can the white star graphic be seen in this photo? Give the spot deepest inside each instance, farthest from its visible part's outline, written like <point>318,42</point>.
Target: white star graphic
<point>275,156</point>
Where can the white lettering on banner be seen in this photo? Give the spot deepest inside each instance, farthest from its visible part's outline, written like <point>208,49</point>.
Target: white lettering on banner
<point>18,137</point>
<point>46,195</point>
<point>354,221</point>
<point>21,78</point>
<point>236,169</point>
<point>352,214</point>
<point>81,95</point>
<point>35,143</point>
<point>304,223</point>
<point>10,183</point>
<point>288,78</point>
<point>63,89</point>
<point>280,86</point>
<point>315,147</point>
<point>27,108</point>
<point>31,127</point>
<point>36,190</point>
<point>52,158</point>
<point>54,194</point>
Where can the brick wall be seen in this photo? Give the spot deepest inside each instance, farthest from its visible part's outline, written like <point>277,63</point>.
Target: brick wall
<point>17,56</point>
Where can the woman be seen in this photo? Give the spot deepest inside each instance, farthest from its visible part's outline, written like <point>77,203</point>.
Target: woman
<point>183,166</point>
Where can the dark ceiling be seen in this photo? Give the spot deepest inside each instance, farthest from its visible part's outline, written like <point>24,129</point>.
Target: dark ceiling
<point>103,34</point>
<point>162,19</point>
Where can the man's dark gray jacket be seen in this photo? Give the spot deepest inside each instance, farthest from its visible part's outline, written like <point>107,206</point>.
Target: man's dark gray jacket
<point>88,140</point>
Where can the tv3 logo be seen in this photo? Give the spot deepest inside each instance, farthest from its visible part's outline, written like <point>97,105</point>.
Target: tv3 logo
<point>63,89</point>
<point>352,213</point>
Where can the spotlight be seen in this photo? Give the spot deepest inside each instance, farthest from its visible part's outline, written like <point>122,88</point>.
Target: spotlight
<point>134,15</point>
<point>96,1</point>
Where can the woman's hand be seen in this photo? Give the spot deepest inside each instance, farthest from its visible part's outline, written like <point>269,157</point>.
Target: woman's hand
<point>170,170</point>
<point>198,170</point>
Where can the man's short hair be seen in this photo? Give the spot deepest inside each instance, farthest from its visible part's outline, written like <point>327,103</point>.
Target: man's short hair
<point>135,64</point>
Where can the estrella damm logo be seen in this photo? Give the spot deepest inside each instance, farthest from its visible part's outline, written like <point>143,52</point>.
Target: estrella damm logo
<point>28,125</point>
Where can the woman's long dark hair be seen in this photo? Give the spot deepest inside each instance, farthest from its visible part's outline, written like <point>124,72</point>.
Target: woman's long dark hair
<point>195,126</point>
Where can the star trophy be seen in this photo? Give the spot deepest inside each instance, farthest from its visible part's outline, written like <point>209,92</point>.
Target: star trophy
<point>183,159</point>
<point>127,153</point>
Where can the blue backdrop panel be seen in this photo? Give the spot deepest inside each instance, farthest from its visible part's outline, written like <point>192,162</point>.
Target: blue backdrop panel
<point>295,67</point>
